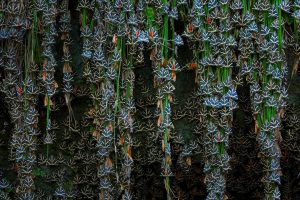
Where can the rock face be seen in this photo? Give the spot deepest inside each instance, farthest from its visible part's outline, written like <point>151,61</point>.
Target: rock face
<point>68,163</point>
<point>294,91</point>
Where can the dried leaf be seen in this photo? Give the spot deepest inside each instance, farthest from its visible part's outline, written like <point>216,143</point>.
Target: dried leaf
<point>169,160</point>
<point>44,74</point>
<point>45,62</point>
<point>129,153</point>
<point>278,136</point>
<point>205,179</point>
<point>159,103</point>
<point>164,62</point>
<point>63,37</point>
<point>174,76</point>
<point>96,134</point>
<point>92,111</point>
<point>159,121</point>
<point>65,48</point>
<point>121,140</point>
<point>46,101</point>
<point>152,54</point>
<point>110,126</point>
<point>170,98</point>
<point>188,161</point>
<point>256,127</point>
<point>192,66</point>
<point>295,66</point>
<point>67,68</point>
<point>55,84</point>
<point>108,162</point>
<point>281,113</point>
<point>259,155</point>
<point>115,39</point>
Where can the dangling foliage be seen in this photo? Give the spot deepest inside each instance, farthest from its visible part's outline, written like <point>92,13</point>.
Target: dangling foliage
<point>136,99</point>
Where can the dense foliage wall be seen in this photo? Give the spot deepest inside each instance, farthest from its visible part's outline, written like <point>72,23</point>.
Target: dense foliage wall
<point>133,99</point>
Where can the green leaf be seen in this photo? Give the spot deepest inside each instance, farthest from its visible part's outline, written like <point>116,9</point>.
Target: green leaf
<point>39,172</point>
<point>149,12</point>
